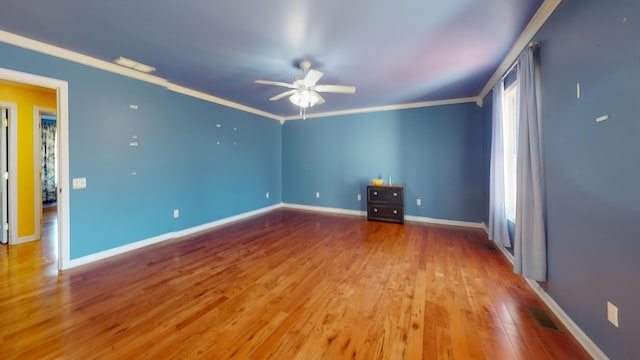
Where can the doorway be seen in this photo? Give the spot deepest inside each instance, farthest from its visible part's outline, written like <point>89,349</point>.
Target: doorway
<point>62,201</point>
<point>45,141</point>
<point>6,111</point>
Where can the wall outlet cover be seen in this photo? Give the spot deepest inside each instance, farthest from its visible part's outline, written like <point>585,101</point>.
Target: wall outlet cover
<point>79,183</point>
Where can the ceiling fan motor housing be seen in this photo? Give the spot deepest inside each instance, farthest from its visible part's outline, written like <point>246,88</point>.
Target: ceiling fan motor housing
<point>305,65</point>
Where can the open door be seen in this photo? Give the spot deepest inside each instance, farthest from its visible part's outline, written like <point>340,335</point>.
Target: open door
<point>4,176</point>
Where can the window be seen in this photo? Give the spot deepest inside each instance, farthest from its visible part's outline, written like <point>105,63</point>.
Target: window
<point>510,131</point>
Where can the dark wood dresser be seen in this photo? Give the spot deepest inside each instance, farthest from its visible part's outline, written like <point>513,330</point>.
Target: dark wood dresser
<point>385,203</point>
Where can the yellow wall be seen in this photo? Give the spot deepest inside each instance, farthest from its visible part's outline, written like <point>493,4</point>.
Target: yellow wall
<point>26,97</point>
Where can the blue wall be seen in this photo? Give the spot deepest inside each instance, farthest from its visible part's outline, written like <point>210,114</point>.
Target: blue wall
<point>592,170</point>
<point>436,152</point>
<point>178,162</point>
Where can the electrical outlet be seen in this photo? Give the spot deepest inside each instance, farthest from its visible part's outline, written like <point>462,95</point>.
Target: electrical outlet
<point>317,195</point>
<point>176,213</point>
<point>359,197</point>
<point>267,195</point>
<point>418,202</point>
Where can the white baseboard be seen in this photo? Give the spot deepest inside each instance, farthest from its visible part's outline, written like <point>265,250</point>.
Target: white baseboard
<point>164,237</point>
<point>573,328</point>
<point>25,239</point>
<point>225,221</point>
<point>428,220</point>
<point>505,252</point>
<point>117,251</point>
<point>325,209</point>
<point>421,219</point>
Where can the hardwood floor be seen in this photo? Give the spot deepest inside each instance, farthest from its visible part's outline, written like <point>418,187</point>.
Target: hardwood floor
<point>284,285</point>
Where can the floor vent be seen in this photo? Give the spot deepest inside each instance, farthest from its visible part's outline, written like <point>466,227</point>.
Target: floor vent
<point>490,246</point>
<point>544,319</point>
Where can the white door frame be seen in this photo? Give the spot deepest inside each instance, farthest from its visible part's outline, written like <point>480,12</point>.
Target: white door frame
<point>62,96</point>
<point>38,111</point>
<point>12,145</point>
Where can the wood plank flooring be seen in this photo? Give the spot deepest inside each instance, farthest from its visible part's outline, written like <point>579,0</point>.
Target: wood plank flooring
<point>284,285</point>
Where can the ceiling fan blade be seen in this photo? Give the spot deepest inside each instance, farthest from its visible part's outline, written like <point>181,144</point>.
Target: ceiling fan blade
<point>276,83</point>
<point>281,95</point>
<point>312,77</point>
<point>336,89</point>
<point>320,99</point>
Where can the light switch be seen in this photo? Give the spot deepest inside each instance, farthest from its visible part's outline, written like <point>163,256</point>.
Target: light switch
<point>79,183</point>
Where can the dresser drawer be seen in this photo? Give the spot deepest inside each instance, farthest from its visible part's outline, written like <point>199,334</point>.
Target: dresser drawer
<point>387,195</point>
<point>385,213</point>
<point>385,203</point>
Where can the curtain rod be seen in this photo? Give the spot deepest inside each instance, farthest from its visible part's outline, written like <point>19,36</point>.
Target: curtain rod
<point>535,44</point>
<point>531,45</point>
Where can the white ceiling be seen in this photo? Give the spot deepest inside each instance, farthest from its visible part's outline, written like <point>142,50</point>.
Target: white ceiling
<point>394,52</point>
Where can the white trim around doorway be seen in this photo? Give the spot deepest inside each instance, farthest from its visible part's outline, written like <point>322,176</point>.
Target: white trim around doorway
<point>12,167</point>
<point>62,96</point>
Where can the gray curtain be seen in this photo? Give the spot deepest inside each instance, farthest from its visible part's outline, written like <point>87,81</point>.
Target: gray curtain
<point>530,247</point>
<point>498,231</point>
<point>48,150</point>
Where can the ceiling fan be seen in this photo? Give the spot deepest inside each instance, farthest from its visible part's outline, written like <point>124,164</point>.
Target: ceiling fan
<point>305,90</point>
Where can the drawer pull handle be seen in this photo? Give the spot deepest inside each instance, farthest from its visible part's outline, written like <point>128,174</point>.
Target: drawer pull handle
<point>395,212</point>
<point>375,193</point>
<point>395,194</point>
<point>375,210</point>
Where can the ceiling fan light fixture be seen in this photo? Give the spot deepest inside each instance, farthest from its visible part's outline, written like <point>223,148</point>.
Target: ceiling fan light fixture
<point>304,98</point>
<point>304,91</point>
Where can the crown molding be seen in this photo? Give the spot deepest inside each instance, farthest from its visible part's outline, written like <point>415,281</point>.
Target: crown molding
<point>422,104</point>
<point>214,99</point>
<point>52,50</point>
<point>48,49</point>
<point>544,12</point>
<point>76,57</point>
